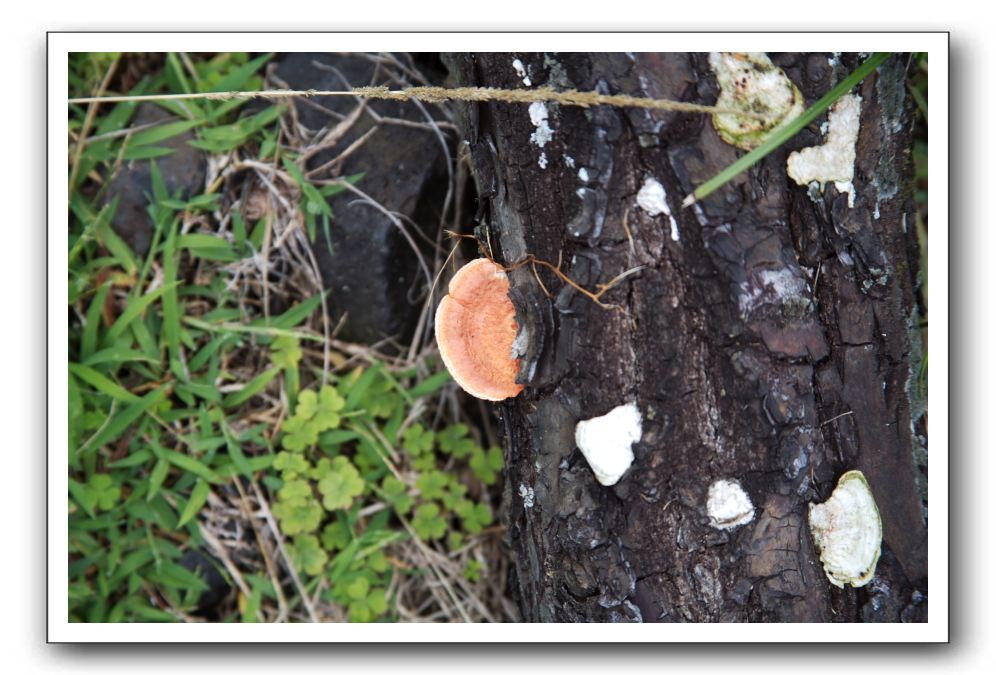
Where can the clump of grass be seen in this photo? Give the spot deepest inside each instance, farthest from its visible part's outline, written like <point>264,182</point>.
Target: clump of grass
<point>212,409</point>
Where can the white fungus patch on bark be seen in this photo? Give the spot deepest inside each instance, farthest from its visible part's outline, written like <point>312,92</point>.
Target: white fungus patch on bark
<point>770,287</point>
<point>520,70</point>
<point>728,506</point>
<point>583,174</point>
<point>539,116</point>
<point>847,531</point>
<point>750,83</point>
<point>528,496</point>
<point>607,442</point>
<point>834,160</point>
<point>652,199</point>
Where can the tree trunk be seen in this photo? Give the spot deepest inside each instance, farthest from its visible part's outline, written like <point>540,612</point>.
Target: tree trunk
<point>771,337</point>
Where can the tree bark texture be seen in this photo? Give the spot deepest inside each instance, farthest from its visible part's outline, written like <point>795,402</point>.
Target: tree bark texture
<point>771,337</point>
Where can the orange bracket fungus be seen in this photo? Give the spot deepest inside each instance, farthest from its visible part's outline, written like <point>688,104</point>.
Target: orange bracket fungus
<point>475,330</point>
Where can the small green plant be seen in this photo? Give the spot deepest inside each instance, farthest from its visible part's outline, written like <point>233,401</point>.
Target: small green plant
<point>334,465</point>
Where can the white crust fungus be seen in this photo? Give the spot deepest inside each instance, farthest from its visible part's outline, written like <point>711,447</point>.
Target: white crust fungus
<point>834,160</point>
<point>520,70</point>
<point>751,83</point>
<point>652,199</point>
<point>847,531</point>
<point>728,505</point>
<point>539,116</point>
<point>607,441</point>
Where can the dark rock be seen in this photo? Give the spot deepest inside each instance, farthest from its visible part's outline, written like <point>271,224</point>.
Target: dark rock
<point>368,265</point>
<point>208,569</point>
<point>183,170</point>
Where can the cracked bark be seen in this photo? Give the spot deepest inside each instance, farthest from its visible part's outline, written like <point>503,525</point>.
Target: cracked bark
<point>769,339</point>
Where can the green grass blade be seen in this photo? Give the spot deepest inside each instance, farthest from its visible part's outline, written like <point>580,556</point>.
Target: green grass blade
<point>134,310</point>
<point>255,385</point>
<point>92,223</point>
<point>234,329</point>
<point>117,424</point>
<point>234,80</point>
<point>235,451</point>
<point>295,315</point>
<point>188,463</point>
<point>156,478</point>
<point>161,133</point>
<point>146,152</point>
<point>198,497</point>
<point>430,385</point>
<point>779,137</point>
<point>171,307</point>
<point>116,355</point>
<point>102,383</point>
<point>88,344</point>
<point>239,230</point>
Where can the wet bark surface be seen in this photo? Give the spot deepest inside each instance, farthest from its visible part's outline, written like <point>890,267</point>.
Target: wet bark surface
<point>769,338</point>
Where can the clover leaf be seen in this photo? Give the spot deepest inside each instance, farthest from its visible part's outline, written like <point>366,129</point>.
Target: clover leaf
<point>358,588</point>
<point>329,405</point>
<point>307,405</point>
<point>474,517</point>
<point>296,508</point>
<point>417,440</point>
<point>105,492</point>
<point>425,462</point>
<point>294,489</point>
<point>368,607</point>
<point>298,432</point>
<point>314,414</point>
<point>381,399</point>
<point>432,484</point>
<point>456,492</point>
<point>290,464</point>
<point>340,485</point>
<point>98,492</point>
<point>453,441</point>
<point>472,572</point>
<point>396,493</point>
<point>286,351</point>
<point>429,522</point>
<point>335,536</point>
<point>322,468</point>
<point>486,465</point>
<point>377,562</point>
<point>308,555</point>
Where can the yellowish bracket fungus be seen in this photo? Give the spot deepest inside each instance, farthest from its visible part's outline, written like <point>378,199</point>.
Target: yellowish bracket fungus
<point>751,83</point>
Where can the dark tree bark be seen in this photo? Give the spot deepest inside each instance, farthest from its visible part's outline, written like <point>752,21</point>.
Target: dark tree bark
<point>781,385</point>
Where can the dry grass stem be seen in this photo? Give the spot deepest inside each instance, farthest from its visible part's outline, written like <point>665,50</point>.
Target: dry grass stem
<point>571,97</point>
<point>283,553</point>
